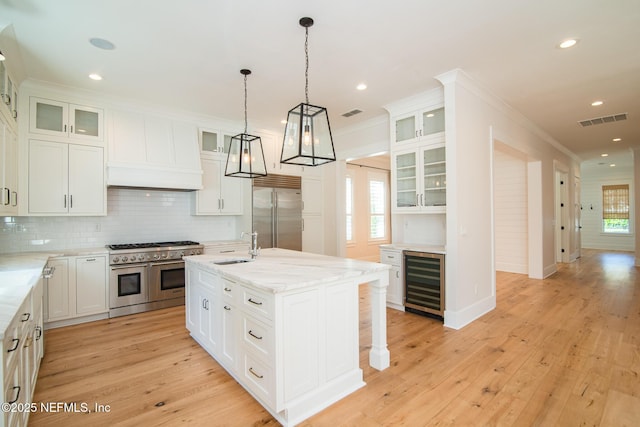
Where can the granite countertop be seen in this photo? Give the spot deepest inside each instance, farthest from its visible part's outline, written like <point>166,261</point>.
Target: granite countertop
<point>18,274</point>
<point>434,249</point>
<point>280,270</point>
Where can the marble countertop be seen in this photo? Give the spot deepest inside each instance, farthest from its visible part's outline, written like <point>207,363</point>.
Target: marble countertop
<point>415,247</point>
<point>18,274</point>
<point>280,270</point>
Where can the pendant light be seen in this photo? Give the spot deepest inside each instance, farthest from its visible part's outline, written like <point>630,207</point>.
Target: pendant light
<point>307,137</point>
<point>245,158</point>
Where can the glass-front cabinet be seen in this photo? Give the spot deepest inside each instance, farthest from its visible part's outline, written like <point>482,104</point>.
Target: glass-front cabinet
<point>413,127</point>
<point>419,179</point>
<point>57,118</point>
<point>214,142</point>
<point>8,93</point>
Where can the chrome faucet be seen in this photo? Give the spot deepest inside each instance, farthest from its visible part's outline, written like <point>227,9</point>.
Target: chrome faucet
<point>255,250</point>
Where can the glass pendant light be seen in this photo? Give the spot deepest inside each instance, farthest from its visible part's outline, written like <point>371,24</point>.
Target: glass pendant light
<point>246,158</point>
<point>307,137</point>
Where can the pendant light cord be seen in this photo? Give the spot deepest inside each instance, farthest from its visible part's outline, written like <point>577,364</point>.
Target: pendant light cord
<point>245,103</point>
<point>306,70</point>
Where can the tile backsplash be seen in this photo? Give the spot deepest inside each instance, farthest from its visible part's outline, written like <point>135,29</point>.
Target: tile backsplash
<point>134,215</point>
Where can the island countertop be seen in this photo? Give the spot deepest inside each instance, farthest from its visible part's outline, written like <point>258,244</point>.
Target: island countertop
<point>281,270</point>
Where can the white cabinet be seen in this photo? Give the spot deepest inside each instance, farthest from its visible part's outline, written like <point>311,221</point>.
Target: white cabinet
<point>62,119</point>
<point>238,247</point>
<point>8,170</point>
<point>22,350</point>
<point>66,179</point>
<point>77,288</point>
<point>220,195</point>
<point>416,125</point>
<point>8,94</point>
<point>418,178</point>
<point>202,306</point>
<point>395,290</point>
<point>312,215</point>
<point>214,142</point>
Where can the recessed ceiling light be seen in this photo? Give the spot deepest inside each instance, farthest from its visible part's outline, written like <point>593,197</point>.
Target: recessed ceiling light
<point>604,155</point>
<point>612,165</point>
<point>361,86</point>
<point>284,122</point>
<point>95,76</point>
<point>617,139</point>
<point>597,103</point>
<point>102,43</point>
<point>567,43</point>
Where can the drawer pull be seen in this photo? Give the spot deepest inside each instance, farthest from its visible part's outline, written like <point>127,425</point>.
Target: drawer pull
<point>254,302</point>
<point>17,394</point>
<point>28,316</point>
<point>254,335</point>
<point>226,307</point>
<point>38,333</point>
<point>250,370</point>
<point>15,347</point>
<point>227,289</point>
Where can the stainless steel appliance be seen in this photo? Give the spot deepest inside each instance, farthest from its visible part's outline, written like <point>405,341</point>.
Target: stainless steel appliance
<point>424,283</point>
<point>147,276</point>
<point>277,211</point>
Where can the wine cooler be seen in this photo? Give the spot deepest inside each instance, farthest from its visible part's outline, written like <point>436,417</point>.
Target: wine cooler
<point>424,282</point>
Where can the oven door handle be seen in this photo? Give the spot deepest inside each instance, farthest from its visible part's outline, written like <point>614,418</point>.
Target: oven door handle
<point>176,262</point>
<point>122,267</point>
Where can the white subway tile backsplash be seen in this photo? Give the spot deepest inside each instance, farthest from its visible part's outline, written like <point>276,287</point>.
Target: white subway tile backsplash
<point>133,215</point>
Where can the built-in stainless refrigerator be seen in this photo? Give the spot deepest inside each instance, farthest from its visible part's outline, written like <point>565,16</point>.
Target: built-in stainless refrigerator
<point>277,211</point>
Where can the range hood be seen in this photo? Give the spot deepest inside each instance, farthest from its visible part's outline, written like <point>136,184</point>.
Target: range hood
<point>148,151</point>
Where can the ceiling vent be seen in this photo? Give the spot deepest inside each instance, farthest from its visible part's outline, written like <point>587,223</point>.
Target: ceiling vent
<point>605,119</point>
<point>352,113</point>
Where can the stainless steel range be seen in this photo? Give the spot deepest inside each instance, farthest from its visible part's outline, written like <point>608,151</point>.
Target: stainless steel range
<point>147,276</point>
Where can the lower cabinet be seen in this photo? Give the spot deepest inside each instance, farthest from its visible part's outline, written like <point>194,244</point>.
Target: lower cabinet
<point>22,349</point>
<point>395,291</point>
<point>78,287</point>
<point>295,352</point>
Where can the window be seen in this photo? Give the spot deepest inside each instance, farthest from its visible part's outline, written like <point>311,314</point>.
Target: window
<point>615,208</point>
<point>349,208</point>
<point>377,211</point>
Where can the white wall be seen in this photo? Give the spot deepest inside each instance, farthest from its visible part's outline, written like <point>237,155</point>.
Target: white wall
<point>593,178</point>
<point>474,120</point>
<point>133,216</point>
<point>510,211</point>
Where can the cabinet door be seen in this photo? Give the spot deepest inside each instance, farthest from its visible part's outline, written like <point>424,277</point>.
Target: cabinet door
<point>231,194</point>
<point>86,180</point>
<point>11,173</point>
<point>312,196</point>
<point>57,291</point>
<point>434,177</point>
<point>394,291</point>
<point>85,122</point>
<point>91,285</point>
<point>432,121</point>
<point>313,234</point>
<point>229,318</point>
<point>48,177</point>
<point>48,117</point>
<point>406,128</point>
<point>405,171</point>
<point>208,198</point>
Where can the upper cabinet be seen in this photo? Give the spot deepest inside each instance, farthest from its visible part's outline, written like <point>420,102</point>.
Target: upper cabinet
<point>8,93</point>
<point>418,125</point>
<point>214,142</point>
<point>61,119</point>
<point>8,170</point>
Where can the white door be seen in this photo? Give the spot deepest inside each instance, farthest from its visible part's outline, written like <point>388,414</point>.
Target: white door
<point>48,177</point>
<point>86,180</point>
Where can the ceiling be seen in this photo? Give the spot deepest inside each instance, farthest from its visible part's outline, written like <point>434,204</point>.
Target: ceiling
<point>189,56</point>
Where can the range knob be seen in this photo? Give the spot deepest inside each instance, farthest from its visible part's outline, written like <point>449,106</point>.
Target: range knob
<point>156,256</point>
<point>198,251</point>
<point>164,255</point>
<point>116,259</point>
<point>124,258</point>
<point>133,258</point>
<point>181,254</point>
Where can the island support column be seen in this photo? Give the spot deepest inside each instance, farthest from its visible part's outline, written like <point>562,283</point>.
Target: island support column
<point>379,357</point>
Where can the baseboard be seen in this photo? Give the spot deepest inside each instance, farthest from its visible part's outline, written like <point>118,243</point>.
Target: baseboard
<point>459,319</point>
<point>549,270</point>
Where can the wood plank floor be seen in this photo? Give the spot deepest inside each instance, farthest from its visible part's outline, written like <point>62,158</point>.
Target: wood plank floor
<point>564,351</point>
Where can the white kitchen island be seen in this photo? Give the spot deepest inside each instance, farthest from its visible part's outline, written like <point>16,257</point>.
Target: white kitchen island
<point>285,325</point>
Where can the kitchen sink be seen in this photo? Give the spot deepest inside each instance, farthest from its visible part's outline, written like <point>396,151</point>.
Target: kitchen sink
<point>232,261</point>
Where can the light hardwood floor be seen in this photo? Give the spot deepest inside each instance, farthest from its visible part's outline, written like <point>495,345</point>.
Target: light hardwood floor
<point>564,351</point>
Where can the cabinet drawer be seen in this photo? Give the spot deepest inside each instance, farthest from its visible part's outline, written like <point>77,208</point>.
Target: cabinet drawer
<point>229,290</point>
<point>391,257</point>
<point>257,303</point>
<point>259,378</point>
<point>258,338</point>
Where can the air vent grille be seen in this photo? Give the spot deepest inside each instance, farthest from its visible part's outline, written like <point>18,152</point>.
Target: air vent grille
<point>352,113</point>
<point>605,119</point>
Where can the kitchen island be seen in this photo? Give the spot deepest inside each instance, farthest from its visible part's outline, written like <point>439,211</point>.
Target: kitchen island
<point>285,325</point>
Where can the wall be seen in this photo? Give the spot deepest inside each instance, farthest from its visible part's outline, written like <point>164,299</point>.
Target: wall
<point>510,211</point>
<point>133,216</point>
<point>475,119</point>
<point>593,178</point>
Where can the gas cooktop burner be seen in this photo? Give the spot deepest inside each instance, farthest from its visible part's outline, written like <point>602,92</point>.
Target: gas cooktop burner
<point>127,246</point>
